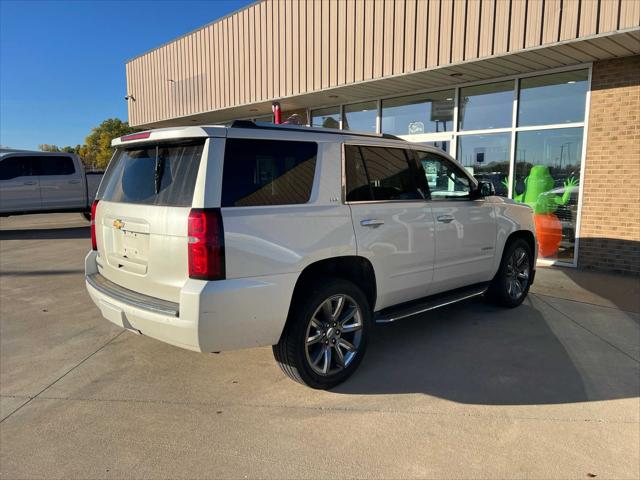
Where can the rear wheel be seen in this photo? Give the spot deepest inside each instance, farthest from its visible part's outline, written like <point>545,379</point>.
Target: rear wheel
<point>511,284</point>
<point>326,335</point>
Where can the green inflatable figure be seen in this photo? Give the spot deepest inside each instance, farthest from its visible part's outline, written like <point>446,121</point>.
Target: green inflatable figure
<point>538,196</point>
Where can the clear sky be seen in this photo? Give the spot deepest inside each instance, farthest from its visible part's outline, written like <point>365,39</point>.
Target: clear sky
<point>62,62</point>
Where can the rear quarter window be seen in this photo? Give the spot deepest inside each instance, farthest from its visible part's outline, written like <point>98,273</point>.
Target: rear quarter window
<point>50,165</point>
<point>267,172</point>
<point>159,174</point>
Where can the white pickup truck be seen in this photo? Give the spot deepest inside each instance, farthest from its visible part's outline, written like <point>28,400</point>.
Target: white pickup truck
<point>42,182</point>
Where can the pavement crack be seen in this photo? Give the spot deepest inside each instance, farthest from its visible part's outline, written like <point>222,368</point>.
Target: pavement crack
<point>588,330</point>
<point>31,398</point>
<point>321,408</point>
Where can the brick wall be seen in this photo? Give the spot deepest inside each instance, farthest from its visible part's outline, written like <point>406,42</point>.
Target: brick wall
<point>610,228</point>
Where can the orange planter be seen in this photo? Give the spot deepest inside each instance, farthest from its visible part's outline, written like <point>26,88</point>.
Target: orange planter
<point>549,233</point>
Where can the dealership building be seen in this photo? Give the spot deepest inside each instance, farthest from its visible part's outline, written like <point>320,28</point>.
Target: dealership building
<point>540,97</point>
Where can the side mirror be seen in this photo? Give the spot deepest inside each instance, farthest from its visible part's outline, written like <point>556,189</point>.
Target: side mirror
<point>485,189</point>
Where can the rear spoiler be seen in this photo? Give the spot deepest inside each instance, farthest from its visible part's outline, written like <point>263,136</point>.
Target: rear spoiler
<point>174,133</point>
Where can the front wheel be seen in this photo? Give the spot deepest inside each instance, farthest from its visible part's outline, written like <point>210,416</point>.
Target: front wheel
<point>326,335</point>
<point>511,284</point>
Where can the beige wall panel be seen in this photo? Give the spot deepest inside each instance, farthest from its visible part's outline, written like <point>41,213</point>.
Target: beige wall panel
<point>433,33</point>
<point>269,50</point>
<point>608,16</point>
<point>501,32</point>
<point>485,43</point>
<point>264,48</point>
<point>317,45</point>
<point>350,22</point>
<point>359,31</point>
<point>250,34</point>
<point>325,66</point>
<point>569,22</point>
<point>295,46</point>
<point>458,37</point>
<point>378,39</point>
<point>238,51</point>
<point>420,53</point>
<point>279,49</point>
<point>368,39</point>
<point>588,17</point>
<point>551,22</point>
<point>446,23</point>
<point>213,93</point>
<point>410,35</point>
<point>196,59</point>
<point>387,36</point>
<point>333,41</point>
<point>305,36</point>
<point>534,23</point>
<point>288,30</point>
<point>248,49</point>
<point>472,29</point>
<point>629,13</point>
<point>517,26</point>
<point>398,35</point>
<point>342,42</point>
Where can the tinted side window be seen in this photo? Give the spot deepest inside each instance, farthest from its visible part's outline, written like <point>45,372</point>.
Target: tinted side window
<point>386,171</point>
<point>50,165</point>
<point>445,179</point>
<point>267,172</point>
<point>14,167</point>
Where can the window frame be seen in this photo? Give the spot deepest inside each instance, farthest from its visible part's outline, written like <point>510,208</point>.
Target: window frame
<point>473,183</point>
<point>412,162</point>
<point>29,159</point>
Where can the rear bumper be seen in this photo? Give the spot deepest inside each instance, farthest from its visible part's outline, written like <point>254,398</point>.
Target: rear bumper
<point>210,317</point>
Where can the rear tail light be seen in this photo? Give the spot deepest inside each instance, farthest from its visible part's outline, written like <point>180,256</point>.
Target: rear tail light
<point>206,244</point>
<point>94,207</point>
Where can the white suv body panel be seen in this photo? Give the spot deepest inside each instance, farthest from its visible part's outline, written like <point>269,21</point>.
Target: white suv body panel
<point>267,247</point>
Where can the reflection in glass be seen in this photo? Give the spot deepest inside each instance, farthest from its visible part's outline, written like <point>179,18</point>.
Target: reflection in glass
<point>444,145</point>
<point>360,117</point>
<point>418,114</point>
<point>486,106</point>
<point>546,178</point>
<point>487,158</point>
<point>326,117</point>
<point>555,98</point>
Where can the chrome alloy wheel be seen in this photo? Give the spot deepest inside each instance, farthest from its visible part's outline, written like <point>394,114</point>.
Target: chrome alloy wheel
<point>333,335</point>
<point>518,271</point>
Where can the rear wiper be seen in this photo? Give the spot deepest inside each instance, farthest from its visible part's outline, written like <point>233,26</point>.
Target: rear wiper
<point>159,171</point>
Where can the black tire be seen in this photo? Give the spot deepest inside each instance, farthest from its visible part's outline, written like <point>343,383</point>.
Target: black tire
<point>86,216</point>
<point>292,353</point>
<point>500,291</point>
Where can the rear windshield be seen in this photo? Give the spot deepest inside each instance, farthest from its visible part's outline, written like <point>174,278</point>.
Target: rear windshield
<point>163,174</point>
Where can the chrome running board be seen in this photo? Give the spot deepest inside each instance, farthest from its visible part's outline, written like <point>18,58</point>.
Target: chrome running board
<point>426,304</point>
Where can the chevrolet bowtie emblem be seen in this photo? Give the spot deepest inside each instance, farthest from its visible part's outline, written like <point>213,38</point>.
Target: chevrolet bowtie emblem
<point>117,223</point>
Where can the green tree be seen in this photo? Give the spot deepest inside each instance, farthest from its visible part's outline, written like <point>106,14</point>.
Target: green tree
<point>97,150</point>
<point>46,147</point>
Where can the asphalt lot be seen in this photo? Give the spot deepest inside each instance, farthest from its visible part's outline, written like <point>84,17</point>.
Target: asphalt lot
<point>549,390</point>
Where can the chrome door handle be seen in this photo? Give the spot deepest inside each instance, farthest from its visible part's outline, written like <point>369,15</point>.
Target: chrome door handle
<point>29,183</point>
<point>445,218</point>
<point>74,181</point>
<point>371,222</point>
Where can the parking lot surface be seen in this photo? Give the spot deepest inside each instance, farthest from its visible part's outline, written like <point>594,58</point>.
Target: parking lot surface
<point>548,390</point>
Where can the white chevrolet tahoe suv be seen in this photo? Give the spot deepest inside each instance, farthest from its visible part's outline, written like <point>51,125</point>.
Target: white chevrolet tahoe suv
<point>218,238</point>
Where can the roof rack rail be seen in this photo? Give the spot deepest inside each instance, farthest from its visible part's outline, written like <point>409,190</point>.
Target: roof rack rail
<point>304,128</point>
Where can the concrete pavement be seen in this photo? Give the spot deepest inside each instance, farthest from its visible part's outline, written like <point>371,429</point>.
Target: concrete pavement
<point>548,390</point>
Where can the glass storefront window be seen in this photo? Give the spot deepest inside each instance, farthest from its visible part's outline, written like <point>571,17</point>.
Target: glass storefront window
<point>547,171</point>
<point>486,157</point>
<point>360,117</point>
<point>326,117</point>
<point>551,99</point>
<point>486,106</point>
<point>418,114</point>
<point>444,145</point>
